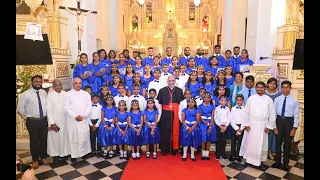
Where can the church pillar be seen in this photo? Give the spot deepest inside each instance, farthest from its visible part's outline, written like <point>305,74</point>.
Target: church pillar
<point>239,15</point>
<point>89,42</point>
<point>261,28</point>
<point>226,34</point>
<point>103,29</point>
<point>116,26</point>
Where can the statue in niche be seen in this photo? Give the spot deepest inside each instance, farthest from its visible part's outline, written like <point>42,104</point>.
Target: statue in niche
<point>170,33</point>
<point>191,16</point>
<point>149,17</point>
<point>205,23</point>
<point>135,23</point>
<point>292,10</point>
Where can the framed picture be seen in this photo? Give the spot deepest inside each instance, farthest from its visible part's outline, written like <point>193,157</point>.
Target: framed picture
<point>300,94</point>
<point>283,70</point>
<point>62,69</point>
<point>300,74</point>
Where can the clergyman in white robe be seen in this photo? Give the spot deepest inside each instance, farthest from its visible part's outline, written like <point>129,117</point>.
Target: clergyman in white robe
<point>57,142</point>
<point>78,103</point>
<point>260,115</point>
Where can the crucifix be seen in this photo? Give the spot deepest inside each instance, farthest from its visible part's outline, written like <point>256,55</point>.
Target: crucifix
<point>80,13</point>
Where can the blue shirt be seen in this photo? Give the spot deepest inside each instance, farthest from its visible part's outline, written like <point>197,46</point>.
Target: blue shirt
<point>166,60</point>
<point>245,92</point>
<point>147,60</point>
<point>291,109</point>
<point>201,60</point>
<point>184,60</point>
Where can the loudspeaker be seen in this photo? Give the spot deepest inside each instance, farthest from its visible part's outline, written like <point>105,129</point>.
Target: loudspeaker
<point>298,58</point>
<point>29,52</point>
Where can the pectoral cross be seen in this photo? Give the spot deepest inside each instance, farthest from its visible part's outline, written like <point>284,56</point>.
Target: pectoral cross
<point>80,19</point>
<point>170,106</point>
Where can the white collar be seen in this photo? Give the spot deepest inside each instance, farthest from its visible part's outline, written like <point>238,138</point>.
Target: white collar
<point>236,56</point>
<point>216,54</point>
<point>187,57</point>
<point>169,57</point>
<point>199,56</point>
<point>150,57</point>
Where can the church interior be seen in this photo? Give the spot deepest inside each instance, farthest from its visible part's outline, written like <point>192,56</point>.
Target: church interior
<point>267,29</point>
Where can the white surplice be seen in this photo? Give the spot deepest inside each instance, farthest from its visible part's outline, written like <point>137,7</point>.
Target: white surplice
<point>57,142</point>
<point>260,114</point>
<point>78,103</point>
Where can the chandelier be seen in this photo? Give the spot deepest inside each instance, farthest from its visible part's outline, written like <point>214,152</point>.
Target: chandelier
<point>197,2</point>
<point>141,2</point>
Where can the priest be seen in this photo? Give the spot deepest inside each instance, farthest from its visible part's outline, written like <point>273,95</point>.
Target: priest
<point>77,104</point>
<point>260,119</point>
<point>169,97</point>
<point>58,145</point>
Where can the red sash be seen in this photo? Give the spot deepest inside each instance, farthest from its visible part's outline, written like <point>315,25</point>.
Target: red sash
<point>175,137</point>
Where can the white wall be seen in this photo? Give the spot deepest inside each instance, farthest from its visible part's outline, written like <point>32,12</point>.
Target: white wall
<point>226,34</point>
<point>103,30</point>
<point>72,33</point>
<point>239,14</point>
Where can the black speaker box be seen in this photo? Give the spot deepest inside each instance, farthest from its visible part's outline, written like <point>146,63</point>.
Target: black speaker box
<point>298,58</point>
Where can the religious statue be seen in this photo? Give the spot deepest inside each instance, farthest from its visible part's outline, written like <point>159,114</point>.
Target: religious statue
<point>292,11</point>
<point>149,17</point>
<point>52,5</point>
<point>170,33</point>
<point>80,20</point>
<point>205,23</point>
<point>135,23</point>
<point>40,15</point>
<point>191,16</point>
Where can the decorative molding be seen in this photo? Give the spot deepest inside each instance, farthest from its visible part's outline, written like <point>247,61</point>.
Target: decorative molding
<point>300,74</point>
<point>283,70</point>
<point>63,69</point>
<point>300,94</point>
<point>36,69</point>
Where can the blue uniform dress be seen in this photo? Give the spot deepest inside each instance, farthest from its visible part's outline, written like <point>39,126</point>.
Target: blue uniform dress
<point>159,67</point>
<point>230,81</point>
<point>192,139</point>
<point>147,137</point>
<point>122,69</point>
<point>106,64</point>
<point>209,88</point>
<point>128,81</point>
<point>131,61</point>
<point>229,129</point>
<point>231,62</point>
<point>146,81</point>
<point>184,60</point>
<point>188,70</point>
<point>194,88</point>
<point>122,123</point>
<point>114,90</point>
<point>106,138</point>
<point>213,70</point>
<point>80,70</point>
<point>110,78</point>
<point>247,62</point>
<point>147,60</point>
<point>200,78</point>
<point>166,60</point>
<point>139,70</point>
<point>97,81</point>
<point>206,115</point>
<point>135,140</point>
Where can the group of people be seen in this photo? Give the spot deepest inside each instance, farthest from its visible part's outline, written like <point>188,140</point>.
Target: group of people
<point>177,104</point>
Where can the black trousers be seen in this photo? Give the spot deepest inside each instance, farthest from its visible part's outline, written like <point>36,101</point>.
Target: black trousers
<point>38,133</point>
<point>235,142</point>
<point>284,127</point>
<point>93,137</point>
<point>221,143</point>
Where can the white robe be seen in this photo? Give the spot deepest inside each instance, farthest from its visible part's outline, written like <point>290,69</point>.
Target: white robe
<point>260,114</point>
<point>78,103</point>
<point>57,143</point>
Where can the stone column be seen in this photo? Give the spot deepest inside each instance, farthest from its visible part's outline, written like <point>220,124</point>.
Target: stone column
<point>226,34</point>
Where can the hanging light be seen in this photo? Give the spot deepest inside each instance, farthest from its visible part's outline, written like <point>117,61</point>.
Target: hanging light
<point>141,2</point>
<point>197,2</point>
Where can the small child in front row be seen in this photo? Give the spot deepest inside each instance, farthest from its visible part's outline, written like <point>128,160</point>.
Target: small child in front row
<point>135,122</point>
<point>208,132</point>
<point>222,120</point>
<point>121,135</point>
<point>94,122</point>
<point>151,133</point>
<point>189,128</point>
<point>237,117</point>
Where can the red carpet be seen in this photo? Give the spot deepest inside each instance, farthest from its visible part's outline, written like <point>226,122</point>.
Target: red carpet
<point>173,168</point>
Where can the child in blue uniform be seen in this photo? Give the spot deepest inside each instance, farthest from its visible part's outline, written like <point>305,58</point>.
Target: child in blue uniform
<point>229,76</point>
<point>208,132</point>
<point>193,85</point>
<point>106,128</point>
<point>218,92</point>
<point>114,87</point>
<point>128,78</point>
<point>114,70</point>
<point>189,128</point>
<point>121,135</point>
<point>151,133</point>
<point>208,83</point>
<point>200,70</point>
<point>135,122</point>
<point>221,78</point>
<point>104,91</point>
<point>147,77</point>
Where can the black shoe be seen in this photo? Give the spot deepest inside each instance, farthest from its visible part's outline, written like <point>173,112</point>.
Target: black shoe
<point>275,165</point>
<point>239,159</point>
<point>217,157</point>
<point>207,158</point>
<point>285,167</point>
<point>203,158</point>
<point>174,152</point>
<point>98,154</point>
<point>73,160</point>
<point>184,159</point>
<point>224,157</point>
<point>231,158</point>
<point>94,152</point>
<point>55,160</point>
<point>164,154</point>
<point>263,167</point>
<point>193,159</point>
<point>198,150</point>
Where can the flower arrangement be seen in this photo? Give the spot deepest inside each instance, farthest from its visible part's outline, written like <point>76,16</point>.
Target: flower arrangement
<point>23,82</point>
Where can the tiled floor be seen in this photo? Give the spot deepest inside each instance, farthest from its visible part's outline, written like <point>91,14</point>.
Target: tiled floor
<point>99,168</point>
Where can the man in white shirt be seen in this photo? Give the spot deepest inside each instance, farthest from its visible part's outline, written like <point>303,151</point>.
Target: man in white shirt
<point>142,101</point>
<point>222,121</point>
<point>78,106</point>
<point>121,95</point>
<point>183,78</point>
<point>94,122</point>
<point>165,74</point>
<point>237,118</point>
<point>261,118</point>
<point>58,145</point>
<point>156,83</point>
<point>32,106</point>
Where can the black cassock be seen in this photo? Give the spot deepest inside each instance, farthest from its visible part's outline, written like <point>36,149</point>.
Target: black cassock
<point>167,117</point>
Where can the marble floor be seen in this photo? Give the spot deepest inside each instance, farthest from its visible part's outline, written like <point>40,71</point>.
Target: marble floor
<point>99,168</point>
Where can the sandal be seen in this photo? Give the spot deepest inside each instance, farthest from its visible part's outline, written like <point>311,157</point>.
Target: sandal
<point>110,155</point>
